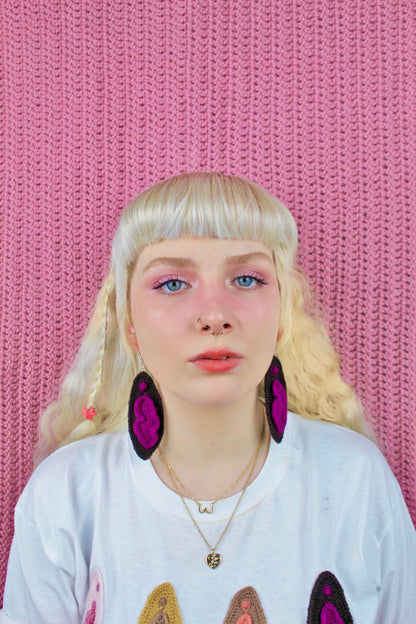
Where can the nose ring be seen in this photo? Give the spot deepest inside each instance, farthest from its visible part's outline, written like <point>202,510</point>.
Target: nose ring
<point>206,326</point>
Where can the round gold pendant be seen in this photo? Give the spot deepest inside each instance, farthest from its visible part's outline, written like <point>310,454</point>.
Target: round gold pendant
<point>213,560</point>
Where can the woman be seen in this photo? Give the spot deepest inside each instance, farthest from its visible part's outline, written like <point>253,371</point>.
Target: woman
<point>215,503</point>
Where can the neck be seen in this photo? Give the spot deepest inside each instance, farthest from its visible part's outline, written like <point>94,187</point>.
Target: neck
<point>208,447</point>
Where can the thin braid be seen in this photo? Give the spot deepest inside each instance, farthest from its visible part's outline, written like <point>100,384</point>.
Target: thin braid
<point>89,412</point>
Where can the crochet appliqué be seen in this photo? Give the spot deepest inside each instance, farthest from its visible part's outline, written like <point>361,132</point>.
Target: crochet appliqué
<point>161,607</point>
<point>328,604</point>
<point>245,608</point>
<point>94,612</point>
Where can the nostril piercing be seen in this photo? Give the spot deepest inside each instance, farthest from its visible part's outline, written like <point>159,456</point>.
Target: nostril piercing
<point>202,324</point>
<point>213,332</point>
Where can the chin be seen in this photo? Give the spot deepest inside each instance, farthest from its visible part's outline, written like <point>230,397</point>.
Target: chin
<point>216,397</point>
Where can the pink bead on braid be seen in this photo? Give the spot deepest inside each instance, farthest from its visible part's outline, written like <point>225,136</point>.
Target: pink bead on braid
<point>89,413</point>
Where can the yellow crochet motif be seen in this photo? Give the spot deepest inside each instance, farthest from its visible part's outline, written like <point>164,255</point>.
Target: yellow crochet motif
<point>161,607</point>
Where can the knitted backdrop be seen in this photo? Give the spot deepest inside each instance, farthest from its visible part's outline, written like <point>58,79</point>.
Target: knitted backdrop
<point>314,99</point>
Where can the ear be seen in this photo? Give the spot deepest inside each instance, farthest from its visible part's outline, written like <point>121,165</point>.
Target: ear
<point>132,338</point>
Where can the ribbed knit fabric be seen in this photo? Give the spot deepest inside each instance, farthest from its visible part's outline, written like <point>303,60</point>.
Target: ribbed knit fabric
<point>314,99</point>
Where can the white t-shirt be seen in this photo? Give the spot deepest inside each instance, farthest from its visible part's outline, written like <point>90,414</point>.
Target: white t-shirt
<point>100,539</point>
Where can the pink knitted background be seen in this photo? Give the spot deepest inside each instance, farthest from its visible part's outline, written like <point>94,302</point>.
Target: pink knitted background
<point>314,99</point>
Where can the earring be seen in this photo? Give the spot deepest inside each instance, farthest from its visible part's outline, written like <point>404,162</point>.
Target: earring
<point>276,399</point>
<point>145,416</point>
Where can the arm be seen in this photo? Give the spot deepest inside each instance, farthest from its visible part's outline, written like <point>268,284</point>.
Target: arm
<point>398,569</point>
<point>40,584</point>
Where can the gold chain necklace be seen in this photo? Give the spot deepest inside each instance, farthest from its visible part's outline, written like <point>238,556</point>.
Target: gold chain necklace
<point>202,507</point>
<point>213,559</point>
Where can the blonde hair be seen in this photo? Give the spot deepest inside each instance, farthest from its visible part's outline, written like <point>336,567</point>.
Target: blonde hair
<point>211,205</point>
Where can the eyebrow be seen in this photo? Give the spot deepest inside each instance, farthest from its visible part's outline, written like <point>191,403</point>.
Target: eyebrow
<point>249,257</point>
<point>181,263</point>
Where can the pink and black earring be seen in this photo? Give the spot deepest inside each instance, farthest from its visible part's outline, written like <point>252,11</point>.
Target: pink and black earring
<point>145,416</point>
<point>276,399</point>
<point>146,420</point>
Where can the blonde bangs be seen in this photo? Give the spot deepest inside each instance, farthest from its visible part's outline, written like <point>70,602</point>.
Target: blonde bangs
<point>207,205</point>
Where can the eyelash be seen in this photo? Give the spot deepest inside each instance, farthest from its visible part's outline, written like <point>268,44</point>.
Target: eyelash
<point>165,280</point>
<point>259,281</point>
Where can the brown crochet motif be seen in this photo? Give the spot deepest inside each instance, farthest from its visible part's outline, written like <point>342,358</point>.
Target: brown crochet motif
<point>245,608</point>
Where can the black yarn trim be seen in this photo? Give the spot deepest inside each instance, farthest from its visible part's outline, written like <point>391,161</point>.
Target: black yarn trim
<point>320,597</point>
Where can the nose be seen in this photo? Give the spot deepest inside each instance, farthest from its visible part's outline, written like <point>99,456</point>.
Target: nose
<point>214,307</point>
<point>215,327</point>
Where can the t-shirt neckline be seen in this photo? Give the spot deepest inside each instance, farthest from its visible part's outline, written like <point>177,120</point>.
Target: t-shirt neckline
<point>167,501</point>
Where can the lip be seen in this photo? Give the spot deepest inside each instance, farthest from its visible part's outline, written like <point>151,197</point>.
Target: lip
<point>216,354</point>
<point>217,360</point>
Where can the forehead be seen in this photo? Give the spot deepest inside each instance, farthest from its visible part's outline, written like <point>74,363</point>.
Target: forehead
<point>198,250</point>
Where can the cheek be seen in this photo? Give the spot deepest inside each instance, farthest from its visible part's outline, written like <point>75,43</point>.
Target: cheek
<point>266,318</point>
<point>263,310</point>
<point>166,318</point>
<point>157,325</point>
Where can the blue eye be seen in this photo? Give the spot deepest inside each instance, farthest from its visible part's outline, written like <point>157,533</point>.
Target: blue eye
<point>247,281</point>
<point>170,284</point>
<point>173,285</point>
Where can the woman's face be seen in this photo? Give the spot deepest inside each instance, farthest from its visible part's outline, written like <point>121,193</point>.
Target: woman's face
<point>180,290</point>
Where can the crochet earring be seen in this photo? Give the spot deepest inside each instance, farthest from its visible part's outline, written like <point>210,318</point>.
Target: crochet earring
<point>276,399</point>
<point>145,416</point>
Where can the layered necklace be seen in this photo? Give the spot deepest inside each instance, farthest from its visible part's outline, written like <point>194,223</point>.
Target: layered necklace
<point>213,559</point>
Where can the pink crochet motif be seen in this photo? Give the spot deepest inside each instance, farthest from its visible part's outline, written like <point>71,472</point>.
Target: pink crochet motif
<point>279,406</point>
<point>147,421</point>
<point>94,611</point>
<point>330,615</point>
<point>90,616</point>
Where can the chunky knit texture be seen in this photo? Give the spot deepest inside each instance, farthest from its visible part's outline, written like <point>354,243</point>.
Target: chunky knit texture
<point>314,99</point>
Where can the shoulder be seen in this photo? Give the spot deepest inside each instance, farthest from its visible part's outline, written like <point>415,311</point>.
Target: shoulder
<point>332,442</point>
<point>345,460</point>
<point>72,473</point>
<point>347,466</point>
<point>82,456</point>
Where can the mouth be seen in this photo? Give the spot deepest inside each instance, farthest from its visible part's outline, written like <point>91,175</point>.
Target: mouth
<point>217,354</point>
<point>217,361</point>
